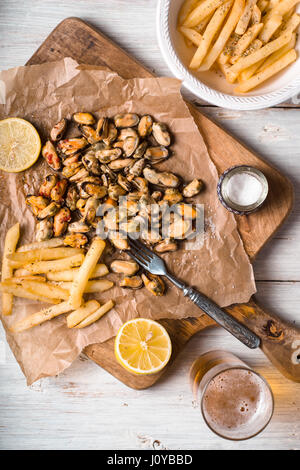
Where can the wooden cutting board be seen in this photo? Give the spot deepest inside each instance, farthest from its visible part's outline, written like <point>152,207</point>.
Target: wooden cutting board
<point>280,341</point>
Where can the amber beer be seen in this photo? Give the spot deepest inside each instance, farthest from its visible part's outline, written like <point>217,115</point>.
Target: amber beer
<point>236,402</point>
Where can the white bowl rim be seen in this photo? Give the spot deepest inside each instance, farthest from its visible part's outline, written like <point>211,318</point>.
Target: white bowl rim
<point>203,91</point>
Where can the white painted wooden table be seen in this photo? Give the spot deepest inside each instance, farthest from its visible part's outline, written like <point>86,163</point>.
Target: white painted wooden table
<point>85,407</point>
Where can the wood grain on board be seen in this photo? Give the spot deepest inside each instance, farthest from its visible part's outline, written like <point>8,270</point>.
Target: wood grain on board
<point>75,38</point>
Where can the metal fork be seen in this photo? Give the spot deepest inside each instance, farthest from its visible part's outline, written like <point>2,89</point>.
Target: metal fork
<point>155,265</point>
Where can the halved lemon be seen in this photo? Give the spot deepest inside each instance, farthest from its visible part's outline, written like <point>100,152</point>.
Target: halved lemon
<point>20,144</point>
<point>143,346</point>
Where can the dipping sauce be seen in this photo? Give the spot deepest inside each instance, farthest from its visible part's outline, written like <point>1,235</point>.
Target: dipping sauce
<point>242,189</point>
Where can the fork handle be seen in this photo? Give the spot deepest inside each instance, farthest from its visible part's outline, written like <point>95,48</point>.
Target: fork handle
<point>228,322</point>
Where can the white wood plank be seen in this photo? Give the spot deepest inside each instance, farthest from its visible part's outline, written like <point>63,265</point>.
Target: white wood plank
<point>86,408</point>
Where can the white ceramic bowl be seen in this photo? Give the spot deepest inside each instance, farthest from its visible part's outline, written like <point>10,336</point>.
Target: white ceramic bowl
<point>208,85</point>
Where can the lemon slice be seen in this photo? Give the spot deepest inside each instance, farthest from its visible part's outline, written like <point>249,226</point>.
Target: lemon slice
<point>143,346</point>
<point>20,144</point>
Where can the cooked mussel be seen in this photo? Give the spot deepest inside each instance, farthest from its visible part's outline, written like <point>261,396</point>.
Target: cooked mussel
<point>193,188</point>
<point>137,168</point>
<point>58,192</point>
<point>126,120</point>
<point>161,134</point>
<point>133,282</point>
<point>90,134</point>
<point>102,128</point>
<point>47,185</point>
<point>112,134</point>
<point>70,146</point>
<point>120,163</point>
<point>44,230</point>
<point>94,189</point>
<point>58,130</point>
<point>124,267</point>
<point>79,227</point>
<point>49,211</point>
<point>145,126</point>
<point>173,196</point>
<point>76,240</point>
<point>61,220</point>
<point>141,149</point>
<point>79,175</point>
<point>50,155</point>
<point>36,203</point>
<point>156,154</point>
<point>108,155</point>
<point>154,284</point>
<point>115,191</point>
<point>91,163</point>
<point>165,246</point>
<point>84,118</point>
<point>130,145</point>
<point>72,197</point>
<point>72,170</point>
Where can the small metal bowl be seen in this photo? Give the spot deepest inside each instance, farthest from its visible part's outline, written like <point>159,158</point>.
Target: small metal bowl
<point>223,193</point>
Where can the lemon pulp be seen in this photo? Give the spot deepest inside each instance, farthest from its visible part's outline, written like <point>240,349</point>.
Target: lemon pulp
<point>143,346</point>
<point>20,144</point>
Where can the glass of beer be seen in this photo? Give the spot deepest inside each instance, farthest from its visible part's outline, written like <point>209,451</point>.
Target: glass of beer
<point>236,402</point>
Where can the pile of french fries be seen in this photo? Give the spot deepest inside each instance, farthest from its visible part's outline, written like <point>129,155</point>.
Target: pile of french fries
<point>249,41</point>
<point>52,273</point>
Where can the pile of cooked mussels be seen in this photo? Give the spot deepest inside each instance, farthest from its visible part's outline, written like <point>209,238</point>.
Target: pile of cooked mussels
<point>112,164</point>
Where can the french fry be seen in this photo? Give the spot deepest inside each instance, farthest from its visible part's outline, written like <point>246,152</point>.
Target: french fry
<point>284,6</point>
<point>40,317</point>
<point>256,15</point>
<point>186,8</point>
<point>276,55</point>
<point>249,72</point>
<point>19,291</point>
<point>260,77</point>
<point>91,287</point>
<point>69,275</point>
<point>272,4</point>
<point>82,312</point>
<point>265,51</point>
<point>209,34</point>
<point>224,68</point>
<point>17,260</point>
<point>270,26</point>
<point>44,267</point>
<point>202,25</point>
<point>224,35</point>
<point>19,279</point>
<point>263,5</point>
<point>191,34</point>
<point>21,272</point>
<point>292,23</point>
<point>244,20</point>
<point>245,41</point>
<point>201,12</point>
<point>43,289</point>
<point>85,271</point>
<point>228,49</point>
<point>52,243</point>
<point>11,241</point>
<point>96,315</point>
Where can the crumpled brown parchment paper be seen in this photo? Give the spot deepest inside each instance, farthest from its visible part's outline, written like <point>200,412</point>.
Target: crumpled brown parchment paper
<point>44,94</point>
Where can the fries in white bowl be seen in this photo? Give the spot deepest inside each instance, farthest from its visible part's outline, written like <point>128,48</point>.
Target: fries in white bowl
<point>239,54</point>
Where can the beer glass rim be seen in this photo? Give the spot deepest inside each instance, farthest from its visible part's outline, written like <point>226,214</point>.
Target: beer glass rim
<point>272,404</point>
